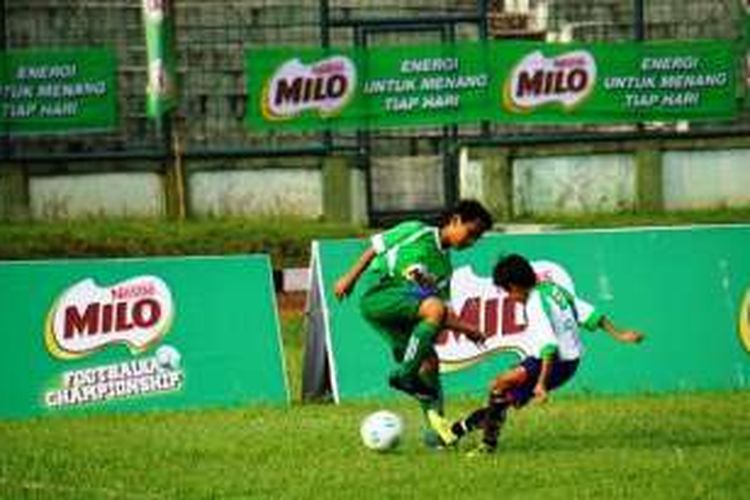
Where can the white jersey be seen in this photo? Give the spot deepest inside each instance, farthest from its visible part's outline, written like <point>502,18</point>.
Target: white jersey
<point>563,313</point>
<point>547,318</point>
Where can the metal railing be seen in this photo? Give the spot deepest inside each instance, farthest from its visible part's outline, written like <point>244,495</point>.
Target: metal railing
<point>212,36</point>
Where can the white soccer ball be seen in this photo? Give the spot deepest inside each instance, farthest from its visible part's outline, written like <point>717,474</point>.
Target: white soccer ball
<point>381,430</point>
<point>168,357</point>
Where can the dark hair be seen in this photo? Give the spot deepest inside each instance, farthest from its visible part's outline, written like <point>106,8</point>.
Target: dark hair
<point>514,269</point>
<point>468,211</point>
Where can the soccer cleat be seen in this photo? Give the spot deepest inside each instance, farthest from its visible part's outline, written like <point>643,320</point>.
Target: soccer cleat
<point>414,387</point>
<point>442,426</point>
<point>482,450</point>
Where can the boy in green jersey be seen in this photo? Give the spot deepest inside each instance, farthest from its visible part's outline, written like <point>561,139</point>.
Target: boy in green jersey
<point>407,279</point>
<point>554,316</point>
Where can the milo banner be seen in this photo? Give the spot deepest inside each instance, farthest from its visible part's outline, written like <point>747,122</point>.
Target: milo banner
<point>503,82</point>
<point>161,91</point>
<point>114,335</point>
<point>687,289</point>
<point>58,91</point>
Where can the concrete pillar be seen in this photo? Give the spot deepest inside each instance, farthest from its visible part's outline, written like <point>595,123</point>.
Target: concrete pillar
<point>344,191</point>
<point>14,192</point>
<point>649,178</point>
<point>495,177</point>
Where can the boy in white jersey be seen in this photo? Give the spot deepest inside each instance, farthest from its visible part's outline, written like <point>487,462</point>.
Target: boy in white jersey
<point>407,287</point>
<point>557,314</point>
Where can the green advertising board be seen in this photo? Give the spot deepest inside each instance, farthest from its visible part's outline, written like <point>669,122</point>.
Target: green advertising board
<point>381,86</point>
<point>126,335</point>
<point>58,91</point>
<point>687,289</point>
<point>498,81</point>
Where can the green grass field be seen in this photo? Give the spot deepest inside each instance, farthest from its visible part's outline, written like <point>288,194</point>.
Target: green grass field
<point>686,446</point>
<point>647,447</point>
<point>666,446</point>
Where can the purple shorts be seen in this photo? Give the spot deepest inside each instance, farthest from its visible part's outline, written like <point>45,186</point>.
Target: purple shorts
<point>562,371</point>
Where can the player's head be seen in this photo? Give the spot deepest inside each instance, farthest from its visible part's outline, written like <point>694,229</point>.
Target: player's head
<point>463,224</point>
<point>514,274</point>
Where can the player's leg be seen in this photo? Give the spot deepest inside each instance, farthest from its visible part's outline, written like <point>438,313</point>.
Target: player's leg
<point>393,311</point>
<point>561,372</point>
<point>430,374</point>
<point>431,314</point>
<point>491,417</point>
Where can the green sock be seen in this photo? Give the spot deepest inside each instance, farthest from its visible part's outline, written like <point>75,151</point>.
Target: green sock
<point>437,404</point>
<point>429,436</point>
<point>418,348</point>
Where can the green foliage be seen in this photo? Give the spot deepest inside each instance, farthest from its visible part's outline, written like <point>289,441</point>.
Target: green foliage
<point>287,240</point>
<point>679,446</point>
<point>625,219</point>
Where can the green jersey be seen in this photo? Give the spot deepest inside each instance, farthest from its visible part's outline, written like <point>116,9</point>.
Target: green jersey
<point>411,252</point>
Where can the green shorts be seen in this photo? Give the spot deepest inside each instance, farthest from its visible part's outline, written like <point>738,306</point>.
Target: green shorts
<point>392,308</point>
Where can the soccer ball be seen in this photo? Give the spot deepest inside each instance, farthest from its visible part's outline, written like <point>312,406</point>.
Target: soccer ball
<point>168,357</point>
<point>381,431</point>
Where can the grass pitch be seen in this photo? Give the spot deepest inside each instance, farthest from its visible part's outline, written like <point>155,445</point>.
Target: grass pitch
<point>677,446</point>
<point>645,447</point>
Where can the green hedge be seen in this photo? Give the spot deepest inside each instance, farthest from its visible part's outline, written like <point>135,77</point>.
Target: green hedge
<point>287,240</point>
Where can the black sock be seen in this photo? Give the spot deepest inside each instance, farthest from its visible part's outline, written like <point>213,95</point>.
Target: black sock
<point>498,408</point>
<point>494,419</point>
<point>473,421</point>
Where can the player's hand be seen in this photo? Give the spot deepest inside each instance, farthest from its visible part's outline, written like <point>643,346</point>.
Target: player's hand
<point>343,287</point>
<point>540,393</point>
<point>631,337</point>
<point>477,337</point>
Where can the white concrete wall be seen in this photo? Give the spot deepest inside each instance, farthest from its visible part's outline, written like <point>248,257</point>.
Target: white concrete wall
<point>257,192</point>
<point>706,179</point>
<point>407,182</point>
<point>470,171</point>
<point>573,184</point>
<point>114,195</point>
<point>358,186</point>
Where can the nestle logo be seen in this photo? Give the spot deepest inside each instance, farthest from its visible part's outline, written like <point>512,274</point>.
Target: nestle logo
<point>325,86</point>
<point>86,317</point>
<point>536,80</point>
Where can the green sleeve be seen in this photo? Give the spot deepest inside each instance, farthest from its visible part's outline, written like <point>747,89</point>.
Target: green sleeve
<point>592,321</point>
<point>548,351</point>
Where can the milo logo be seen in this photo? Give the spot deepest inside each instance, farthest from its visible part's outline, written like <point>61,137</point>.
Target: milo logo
<point>325,86</point>
<point>86,317</point>
<point>537,80</point>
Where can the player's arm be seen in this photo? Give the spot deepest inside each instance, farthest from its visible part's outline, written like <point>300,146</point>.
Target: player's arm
<point>626,336</point>
<point>548,358</point>
<point>592,319</point>
<point>345,284</point>
<point>542,333</point>
<point>455,323</point>
<point>379,244</point>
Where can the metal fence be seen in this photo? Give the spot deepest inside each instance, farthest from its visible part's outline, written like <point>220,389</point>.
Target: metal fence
<point>212,36</point>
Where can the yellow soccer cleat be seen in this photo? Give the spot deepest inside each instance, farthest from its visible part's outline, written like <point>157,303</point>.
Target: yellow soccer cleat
<point>442,426</point>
